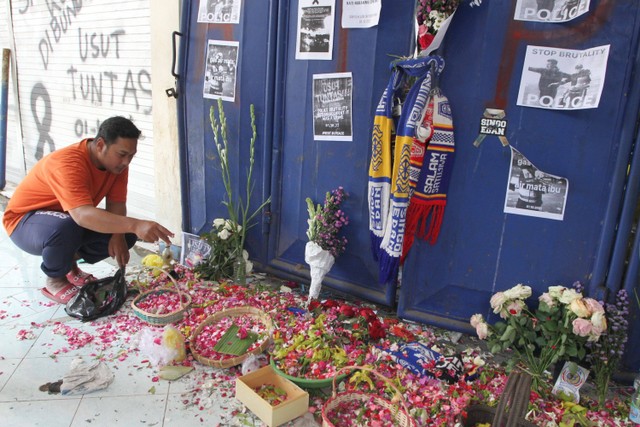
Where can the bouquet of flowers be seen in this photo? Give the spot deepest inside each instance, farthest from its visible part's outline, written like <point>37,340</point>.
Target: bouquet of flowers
<point>325,223</point>
<point>431,14</point>
<point>223,240</point>
<point>560,327</point>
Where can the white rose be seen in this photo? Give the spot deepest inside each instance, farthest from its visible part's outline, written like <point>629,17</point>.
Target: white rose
<point>569,295</point>
<point>599,324</point>
<point>497,301</point>
<point>482,330</point>
<point>518,292</point>
<point>476,319</point>
<point>218,222</point>
<point>556,291</point>
<point>224,234</point>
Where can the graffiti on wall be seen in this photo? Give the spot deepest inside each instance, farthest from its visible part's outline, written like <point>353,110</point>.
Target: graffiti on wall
<point>85,63</point>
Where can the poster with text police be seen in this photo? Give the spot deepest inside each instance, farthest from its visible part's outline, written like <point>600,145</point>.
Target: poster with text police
<point>550,10</point>
<point>219,11</point>
<point>563,79</point>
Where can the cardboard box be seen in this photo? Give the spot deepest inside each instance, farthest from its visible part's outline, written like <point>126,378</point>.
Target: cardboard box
<point>297,402</point>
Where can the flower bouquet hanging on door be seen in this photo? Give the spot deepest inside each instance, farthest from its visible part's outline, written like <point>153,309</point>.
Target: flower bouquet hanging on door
<point>324,245</point>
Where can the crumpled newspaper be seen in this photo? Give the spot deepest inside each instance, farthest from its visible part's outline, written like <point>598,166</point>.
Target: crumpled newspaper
<point>84,377</point>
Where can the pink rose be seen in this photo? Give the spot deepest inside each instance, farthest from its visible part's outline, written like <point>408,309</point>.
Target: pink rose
<point>593,305</point>
<point>476,319</point>
<point>515,307</point>
<point>547,299</point>
<point>582,327</point>
<point>482,329</point>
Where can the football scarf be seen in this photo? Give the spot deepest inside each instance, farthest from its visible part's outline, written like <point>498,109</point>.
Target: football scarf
<point>387,211</point>
<point>427,204</point>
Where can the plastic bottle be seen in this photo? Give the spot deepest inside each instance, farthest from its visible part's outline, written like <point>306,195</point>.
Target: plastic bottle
<point>634,407</point>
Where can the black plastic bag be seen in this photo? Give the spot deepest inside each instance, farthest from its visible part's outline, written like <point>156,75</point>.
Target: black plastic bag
<point>99,298</point>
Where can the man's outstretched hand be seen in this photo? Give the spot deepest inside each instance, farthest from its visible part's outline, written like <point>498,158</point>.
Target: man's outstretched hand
<point>151,231</point>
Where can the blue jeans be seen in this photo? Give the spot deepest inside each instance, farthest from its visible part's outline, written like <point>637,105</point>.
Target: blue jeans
<point>57,237</point>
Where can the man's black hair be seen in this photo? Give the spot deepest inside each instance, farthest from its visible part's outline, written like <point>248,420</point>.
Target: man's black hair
<point>117,127</point>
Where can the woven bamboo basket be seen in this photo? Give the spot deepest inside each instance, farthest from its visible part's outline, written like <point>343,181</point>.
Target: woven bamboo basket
<point>399,410</point>
<point>232,312</point>
<point>511,409</point>
<point>166,318</point>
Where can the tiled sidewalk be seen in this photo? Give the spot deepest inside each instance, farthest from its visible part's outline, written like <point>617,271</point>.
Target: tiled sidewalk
<point>25,364</point>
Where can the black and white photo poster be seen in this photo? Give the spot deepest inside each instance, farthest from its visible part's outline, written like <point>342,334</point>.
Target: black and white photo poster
<point>550,10</point>
<point>316,19</point>
<point>563,79</point>
<point>332,107</point>
<point>219,11</point>
<point>532,192</point>
<point>220,70</point>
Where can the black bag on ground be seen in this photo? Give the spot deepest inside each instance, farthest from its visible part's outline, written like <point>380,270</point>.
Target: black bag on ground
<point>99,298</point>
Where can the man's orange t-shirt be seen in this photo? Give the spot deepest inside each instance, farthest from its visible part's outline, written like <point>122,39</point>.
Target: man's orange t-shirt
<point>64,180</point>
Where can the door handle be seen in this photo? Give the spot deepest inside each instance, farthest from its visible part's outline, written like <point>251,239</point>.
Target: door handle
<point>173,91</point>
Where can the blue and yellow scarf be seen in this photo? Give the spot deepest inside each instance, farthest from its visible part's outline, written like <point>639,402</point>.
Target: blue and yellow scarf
<point>389,173</point>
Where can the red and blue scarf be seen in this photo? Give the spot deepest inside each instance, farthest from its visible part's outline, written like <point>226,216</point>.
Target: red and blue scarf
<point>389,173</point>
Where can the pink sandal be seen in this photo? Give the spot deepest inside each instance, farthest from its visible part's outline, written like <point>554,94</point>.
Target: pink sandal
<point>79,278</point>
<point>63,295</point>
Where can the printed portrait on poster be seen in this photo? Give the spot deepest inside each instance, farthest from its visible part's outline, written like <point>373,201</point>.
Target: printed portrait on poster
<point>550,10</point>
<point>532,192</point>
<point>563,79</point>
<point>316,20</point>
<point>332,107</point>
<point>220,71</point>
<point>194,250</point>
<point>219,11</point>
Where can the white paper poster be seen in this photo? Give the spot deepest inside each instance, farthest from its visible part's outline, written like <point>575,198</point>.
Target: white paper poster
<point>360,13</point>
<point>332,107</point>
<point>550,10</point>
<point>532,192</point>
<point>220,70</point>
<point>314,39</point>
<point>563,79</point>
<point>219,11</point>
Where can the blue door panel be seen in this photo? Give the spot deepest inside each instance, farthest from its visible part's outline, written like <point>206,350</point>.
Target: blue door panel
<point>311,168</point>
<point>254,83</point>
<point>481,249</point>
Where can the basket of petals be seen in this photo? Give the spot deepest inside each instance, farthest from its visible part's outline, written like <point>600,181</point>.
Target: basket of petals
<point>228,337</point>
<point>163,305</point>
<point>355,408</point>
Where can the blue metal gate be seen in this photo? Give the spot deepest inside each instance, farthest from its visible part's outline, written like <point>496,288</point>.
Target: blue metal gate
<point>480,249</point>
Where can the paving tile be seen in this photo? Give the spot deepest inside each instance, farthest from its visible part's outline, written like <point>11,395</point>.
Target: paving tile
<point>44,413</point>
<point>121,411</point>
<point>7,367</point>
